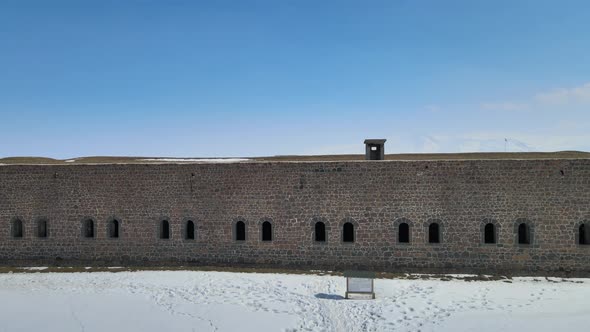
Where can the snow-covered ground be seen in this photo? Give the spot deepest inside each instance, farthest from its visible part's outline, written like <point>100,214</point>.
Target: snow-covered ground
<point>223,301</point>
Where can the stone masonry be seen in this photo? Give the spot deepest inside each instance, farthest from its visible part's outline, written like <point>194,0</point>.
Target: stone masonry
<point>551,196</point>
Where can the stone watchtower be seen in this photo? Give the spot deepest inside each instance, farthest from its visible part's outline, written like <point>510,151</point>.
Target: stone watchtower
<point>375,149</point>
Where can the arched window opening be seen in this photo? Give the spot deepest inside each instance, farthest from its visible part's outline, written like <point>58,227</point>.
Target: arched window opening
<point>348,232</point>
<point>266,231</point>
<point>434,233</point>
<point>190,230</point>
<point>42,228</point>
<point>320,232</point>
<point>524,234</point>
<point>114,228</point>
<point>489,233</point>
<point>164,229</point>
<point>584,236</point>
<point>88,228</point>
<point>240,231</point>
<point>17,228</point>
<point>403,233</point>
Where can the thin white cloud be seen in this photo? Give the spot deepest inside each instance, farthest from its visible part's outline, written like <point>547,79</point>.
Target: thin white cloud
<point>508,106</point>
<point>565,96</point>
<point>432,108</point>
<point>579,95</point>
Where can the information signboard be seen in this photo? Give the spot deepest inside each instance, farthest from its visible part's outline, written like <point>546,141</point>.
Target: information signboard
<point>359,283</point>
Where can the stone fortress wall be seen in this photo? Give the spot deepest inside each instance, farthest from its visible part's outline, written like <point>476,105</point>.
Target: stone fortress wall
<point>551,197</point>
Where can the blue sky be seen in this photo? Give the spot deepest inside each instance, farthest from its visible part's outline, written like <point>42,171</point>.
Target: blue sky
<point>255,78</point>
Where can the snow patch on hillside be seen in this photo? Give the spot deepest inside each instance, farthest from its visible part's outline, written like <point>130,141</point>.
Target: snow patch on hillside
<point>196,160</point>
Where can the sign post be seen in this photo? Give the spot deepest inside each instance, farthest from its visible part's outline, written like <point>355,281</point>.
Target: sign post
<point>359,284</point>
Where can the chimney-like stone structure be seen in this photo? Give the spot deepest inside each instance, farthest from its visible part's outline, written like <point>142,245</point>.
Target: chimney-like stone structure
<point>375,149</point>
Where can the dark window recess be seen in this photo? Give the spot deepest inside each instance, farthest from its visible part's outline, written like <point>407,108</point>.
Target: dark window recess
<point>240,231</point>
<point>375,153</point>
<point>190,230</point>
<point>320,232</point>
<point>42,228</point>
<point>434,233</point>
<point>164,229</point>
<point>266,231</point>
<point>489,233</point>
<point>114,228</point>
<point>583,234</point>
<point>403,233</point>
<point>348,232</point>
<point>89,228</point>
<point>17,229</point>
<point>524,234</point>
